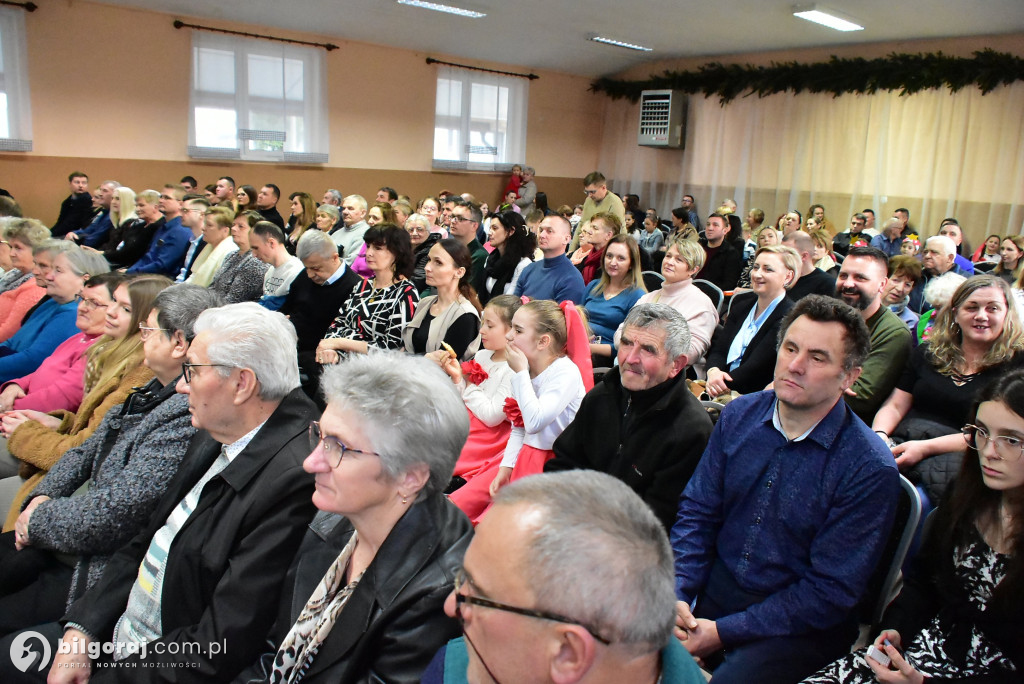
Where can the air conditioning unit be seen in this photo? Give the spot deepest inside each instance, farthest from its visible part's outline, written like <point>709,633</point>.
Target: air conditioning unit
<point>662,119</point>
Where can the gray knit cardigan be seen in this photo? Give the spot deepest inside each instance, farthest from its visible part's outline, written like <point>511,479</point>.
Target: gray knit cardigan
<point>124,491</point>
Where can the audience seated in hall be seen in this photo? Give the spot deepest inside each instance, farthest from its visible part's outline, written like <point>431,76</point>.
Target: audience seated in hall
<point>170,241</point>
<point>554,277</point>
<point>240,278</point>
<point>266,204</point>
<point>114,368</point>
<point>127,464</point>
<point>811,279</point>
<point>97,230</point>
<point>219,245</point>
<point>609,298</point>
<point>193,217</point>
<point>76,209</point>
<point>904,273</point>
<point>723,263</point>
<point>193,572</point>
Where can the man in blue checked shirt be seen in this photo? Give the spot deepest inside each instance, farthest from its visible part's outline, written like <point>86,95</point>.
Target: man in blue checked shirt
<point>784,519</point>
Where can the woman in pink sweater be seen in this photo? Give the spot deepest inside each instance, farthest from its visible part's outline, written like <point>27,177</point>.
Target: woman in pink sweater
<point>57,384</point>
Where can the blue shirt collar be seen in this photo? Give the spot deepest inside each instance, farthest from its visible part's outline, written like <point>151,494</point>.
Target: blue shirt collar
<point>823,432</point>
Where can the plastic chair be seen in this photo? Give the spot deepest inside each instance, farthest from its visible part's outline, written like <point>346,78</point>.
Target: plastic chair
<point>713,292</point>
<point>735,298</point>
<point>652,280</point>
<point>884,579</point>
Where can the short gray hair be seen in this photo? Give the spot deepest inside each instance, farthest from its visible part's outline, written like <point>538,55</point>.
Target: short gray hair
<point>359,200</point>
<point>246,335</point>
<point>529,169</point>
<point>85,261</point>
<point>179,306</point>
<point>600,556</point>
<point>315,242</point>
<point>418,219</point>
<point>939,290</point>
<point>330,210</point>
<point>665,318</point>
<point>409,410</point>
<point>948,246</point>
<point>335,195</point>
<point>53,247</point>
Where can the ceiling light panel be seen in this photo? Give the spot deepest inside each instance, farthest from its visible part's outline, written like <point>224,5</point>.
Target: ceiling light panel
<point>827,17</point>
<point>438,7</point>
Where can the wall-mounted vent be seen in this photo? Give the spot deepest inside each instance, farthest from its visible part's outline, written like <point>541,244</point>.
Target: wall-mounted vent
<point>662,119</point>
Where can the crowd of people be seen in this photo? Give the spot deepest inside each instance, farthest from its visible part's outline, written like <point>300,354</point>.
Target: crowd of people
<point>416,440</point>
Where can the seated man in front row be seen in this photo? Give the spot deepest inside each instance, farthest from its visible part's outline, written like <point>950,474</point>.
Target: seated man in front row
<point>204,578</point>
<point>782,524</point>
<point>568,579</point>
<point>642,424</point>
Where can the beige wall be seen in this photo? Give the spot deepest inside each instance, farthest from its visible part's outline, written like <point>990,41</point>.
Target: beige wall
<point>938,153</point>
<point>110,85</point>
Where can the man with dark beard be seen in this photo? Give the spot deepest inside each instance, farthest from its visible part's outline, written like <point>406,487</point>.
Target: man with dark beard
<point>861,282</point>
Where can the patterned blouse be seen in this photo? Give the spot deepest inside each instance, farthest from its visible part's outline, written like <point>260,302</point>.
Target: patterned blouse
<point>376,316</point>
<point>240,278</point>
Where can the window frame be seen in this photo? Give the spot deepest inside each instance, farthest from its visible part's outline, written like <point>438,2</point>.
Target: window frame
<point>14,81</point>
<point>312,147</point>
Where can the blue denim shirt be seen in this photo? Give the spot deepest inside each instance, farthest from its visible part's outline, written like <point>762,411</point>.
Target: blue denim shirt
<point>800,522</point>
<point>166,251</point>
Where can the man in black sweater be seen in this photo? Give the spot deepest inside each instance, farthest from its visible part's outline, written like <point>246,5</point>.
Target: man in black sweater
<point>315,299</point>
<point>641,424</point>
<point>812,280</point>
<point>266,203</point>
<point>724,261</point>
<point>76,209</point>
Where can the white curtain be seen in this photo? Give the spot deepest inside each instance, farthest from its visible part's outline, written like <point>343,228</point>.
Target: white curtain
<point>15,108</point>
<point>936,153</point>
<point>258,100</point>
<point>479,120</point>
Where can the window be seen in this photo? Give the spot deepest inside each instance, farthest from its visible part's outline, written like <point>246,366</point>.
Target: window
<point>479,120</point>
<point>257,100</point>
<point>15,112</point>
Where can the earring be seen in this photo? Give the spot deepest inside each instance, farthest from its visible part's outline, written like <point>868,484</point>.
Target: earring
<point>404,501</point>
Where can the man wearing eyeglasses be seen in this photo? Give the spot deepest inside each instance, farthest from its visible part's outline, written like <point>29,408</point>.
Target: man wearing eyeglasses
<point>567,580</point>
<point>170,242</point>
<point>599,200</point>
<point>465,221</point>
<point>192,217</point>
<point>209,567</point>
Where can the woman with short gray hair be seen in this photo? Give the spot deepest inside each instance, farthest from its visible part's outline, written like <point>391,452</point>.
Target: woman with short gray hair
<point>375,568</point>
<point>19,291</point>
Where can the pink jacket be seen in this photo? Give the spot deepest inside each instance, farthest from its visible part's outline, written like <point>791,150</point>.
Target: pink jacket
<point>14,304</point>
<point>58,383</point>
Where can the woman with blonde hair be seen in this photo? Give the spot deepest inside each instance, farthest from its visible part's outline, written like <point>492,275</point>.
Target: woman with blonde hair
<point>113,368</point>
<point>824,257</point>
<point>610,297</point>
<point>976,339</point>
<point>742,354</point>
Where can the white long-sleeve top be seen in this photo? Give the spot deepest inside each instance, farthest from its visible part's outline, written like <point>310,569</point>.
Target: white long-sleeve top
<point>548,403</point>
<point>487,400</point>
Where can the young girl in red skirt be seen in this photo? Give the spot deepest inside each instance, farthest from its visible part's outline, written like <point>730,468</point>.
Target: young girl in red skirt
<point>485,383</point>
<point>549,352</point>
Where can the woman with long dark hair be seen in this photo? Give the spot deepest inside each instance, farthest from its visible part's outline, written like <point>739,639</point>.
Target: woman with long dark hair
<point>960,614</point>
<point>452,316</point>
<point>513,251</point>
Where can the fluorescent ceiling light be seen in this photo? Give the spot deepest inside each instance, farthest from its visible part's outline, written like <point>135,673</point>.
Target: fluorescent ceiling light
<point>826,17</point>
<point>619,43</point>
<point>438,7</point>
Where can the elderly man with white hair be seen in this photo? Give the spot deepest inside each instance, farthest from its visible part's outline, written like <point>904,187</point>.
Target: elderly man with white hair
<point>568,579</point>
<point>208,569</point>
<point>350,236</point>
<point>937,257</point>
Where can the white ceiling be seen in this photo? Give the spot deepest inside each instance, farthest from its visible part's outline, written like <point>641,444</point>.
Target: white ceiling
<point>552,34</point>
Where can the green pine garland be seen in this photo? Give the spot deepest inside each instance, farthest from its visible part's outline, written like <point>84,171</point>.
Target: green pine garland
<point>906,73</point>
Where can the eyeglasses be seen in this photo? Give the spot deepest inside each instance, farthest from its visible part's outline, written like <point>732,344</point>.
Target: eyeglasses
<point>459,219</point>
<point>186,368</point>
<point>590,192</point>
<point>145,333</point>
<point>1006,447</point>
<point>334,450</point>
<point>90,303</point>
<point>460,599</point>
<point>416,229</point>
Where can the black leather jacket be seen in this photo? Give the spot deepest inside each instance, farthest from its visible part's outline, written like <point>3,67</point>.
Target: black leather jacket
<point>394,621</point>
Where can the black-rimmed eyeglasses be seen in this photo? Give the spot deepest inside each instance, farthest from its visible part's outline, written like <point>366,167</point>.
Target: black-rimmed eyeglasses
<point>461,580</point>
<point>186,368</point>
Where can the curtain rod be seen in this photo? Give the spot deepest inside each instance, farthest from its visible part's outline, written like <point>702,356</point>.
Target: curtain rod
<point>27,6</point>
<point>180,24</point>
<point>532,77</point>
